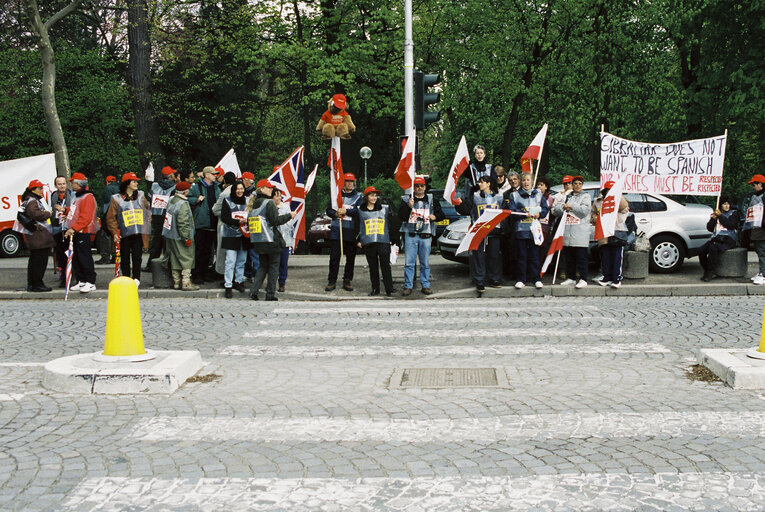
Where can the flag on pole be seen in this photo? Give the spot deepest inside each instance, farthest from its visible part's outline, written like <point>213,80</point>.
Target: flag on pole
<point>311,178</point>
<point>405,171</point>
<point>556,244</point>
<point>289,178</point>
<point>489,219</point>
<point>117,258</point>
<point>605,225</point>
<point>68,273</point>
<point>229,163</point>
<point>534,150</point>
<point>460,163</point>
<point>336,180</point>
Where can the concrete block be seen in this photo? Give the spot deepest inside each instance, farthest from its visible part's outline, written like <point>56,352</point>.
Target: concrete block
<point>635,265</point>
<point>754,289</point>
<point>734,367</point>
<point>732,263</point>
<point>160,276</point>
<point>709,289</point>
<point>82,374</point>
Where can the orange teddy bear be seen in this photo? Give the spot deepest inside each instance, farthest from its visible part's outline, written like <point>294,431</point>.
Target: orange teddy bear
<point>335,121</point>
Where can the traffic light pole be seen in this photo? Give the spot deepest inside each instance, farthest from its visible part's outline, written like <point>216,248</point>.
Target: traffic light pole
<point>408,69</point>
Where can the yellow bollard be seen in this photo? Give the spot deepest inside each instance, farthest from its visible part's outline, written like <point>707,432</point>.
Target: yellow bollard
<point>762,335</point>
<point>124,336</point>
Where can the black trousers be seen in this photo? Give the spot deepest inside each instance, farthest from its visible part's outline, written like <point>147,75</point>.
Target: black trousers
<point>487,260</point>
<point>83,268</point>
<point>62,244</point>
<point>156,242</point>
<point>709,253</point>
<point>38,260</point>
<point>378,257</point>
<point>349,248</point>
<point>528,261</point>
<point>205,242</point>
<point>576,260</point>
<point>130,253</point>
<point>269,265</point>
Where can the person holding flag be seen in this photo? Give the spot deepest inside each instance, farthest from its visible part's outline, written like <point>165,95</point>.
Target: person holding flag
<point>288,233</point>
<point>373,235</point>
<point>576,237</point>
<point>128,221</point>
<point>529,201</point>
<point>352,198</point>
<point>478,167</point>
<point>486,259</point>
<point>611,246</point>
<point>418,213</point>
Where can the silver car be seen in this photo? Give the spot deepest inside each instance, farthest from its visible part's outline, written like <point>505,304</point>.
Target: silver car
<point>676,229</point>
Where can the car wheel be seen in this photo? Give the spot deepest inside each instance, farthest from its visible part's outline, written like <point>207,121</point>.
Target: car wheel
<point>667,254</point>
<point>10,243</point>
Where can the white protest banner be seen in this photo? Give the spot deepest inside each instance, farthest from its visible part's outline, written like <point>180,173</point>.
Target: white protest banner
<point>15,175</point>
<point>693,167</point>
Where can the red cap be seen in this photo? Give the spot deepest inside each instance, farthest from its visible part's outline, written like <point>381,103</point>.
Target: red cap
<point>248,176</point>
<point>567,179</point>
<point>577,178</point>
<point>110,178</point>
<point>184,185</point>
<point>78,176</point>
<point>220,170</point>
<point>369,190</point>
<point>338,100</point>
<point>609,184</point>
<point>349,177</point>
<point>419,180</point>
<point>265,183</point>
<point>35,184</point>
<point>167,170</point>
<point>757,178</point>
<point>130,176</point>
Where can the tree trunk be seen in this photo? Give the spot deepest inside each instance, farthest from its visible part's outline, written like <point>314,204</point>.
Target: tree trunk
<point>49,80</point>
<point>139,83</point>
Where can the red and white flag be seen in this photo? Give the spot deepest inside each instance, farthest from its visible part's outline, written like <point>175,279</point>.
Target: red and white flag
<point>229,163</point>
<point>534,150</point>
<point>310,179</point>
<point>489,219</point>
<point>405,171</point>
<point>556,244</point>
<point>460,163</point>
<point>605,225</point>
<point>336,180</point>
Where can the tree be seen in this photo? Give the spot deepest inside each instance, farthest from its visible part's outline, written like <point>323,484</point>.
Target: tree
<point>40,29</point>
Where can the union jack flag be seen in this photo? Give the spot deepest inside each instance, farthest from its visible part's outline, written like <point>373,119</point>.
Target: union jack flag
<point>68,273</point>
<point>289,178</point>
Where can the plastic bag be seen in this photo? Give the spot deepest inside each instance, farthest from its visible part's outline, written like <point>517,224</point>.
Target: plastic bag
<point>642,243</point>
<point>393,253</point>
<point>536,232</point>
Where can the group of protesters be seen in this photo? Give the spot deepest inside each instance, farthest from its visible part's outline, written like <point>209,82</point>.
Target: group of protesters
<point>212,226</point>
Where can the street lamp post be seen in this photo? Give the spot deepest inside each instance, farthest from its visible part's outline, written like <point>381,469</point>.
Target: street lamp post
<point>365,153</point>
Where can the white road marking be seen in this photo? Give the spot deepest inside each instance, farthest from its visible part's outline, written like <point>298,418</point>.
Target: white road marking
<point>507,323</point>
<point>455,334</point>
<point>20,365</point>
<point>559,492</point>
<point>423,307</point>
<point>439,350</point>
<point>11,397</point>
<point>542,426</point>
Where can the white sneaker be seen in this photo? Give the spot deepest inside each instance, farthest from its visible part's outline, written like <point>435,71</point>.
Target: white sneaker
<point>87,288</point>
<point>519,285</point>
<point>137,283</point>
<point>538,285</point>
<point>598,278</point>
<point>603,283</point>
<point>758,280</point>
<point>567,282</point>
<point>581,284</point>
<point>617,284</point>
<point>76,287</point>
<point>755,277</point>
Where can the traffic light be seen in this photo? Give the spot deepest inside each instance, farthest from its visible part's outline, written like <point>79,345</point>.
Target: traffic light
<point>423,99</point>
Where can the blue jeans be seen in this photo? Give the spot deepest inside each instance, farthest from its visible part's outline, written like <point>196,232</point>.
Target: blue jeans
<point>283,260</point>
<point>416,247</point>
<point>235,261</point>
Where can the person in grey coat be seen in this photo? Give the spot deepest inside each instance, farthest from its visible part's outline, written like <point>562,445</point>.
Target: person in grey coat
<point>576,237</point>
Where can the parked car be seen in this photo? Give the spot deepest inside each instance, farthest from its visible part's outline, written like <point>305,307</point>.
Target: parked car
<point>318,233</point>
<point>449,211</point>
<point>676,229</point>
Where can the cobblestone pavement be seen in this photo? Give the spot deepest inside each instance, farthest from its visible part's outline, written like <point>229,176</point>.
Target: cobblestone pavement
<point>302,411</point>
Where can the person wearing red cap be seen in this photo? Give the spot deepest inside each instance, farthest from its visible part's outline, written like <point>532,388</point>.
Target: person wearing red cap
<point>576,235</point>
<point>288,233</point>
<point>202,198</point>
<point>159,197</point>
<point>128,221</point>
<point>178,234</point>
<point>32,221</point>
<point>611,249</point>
<point>373,235</point>
<point>81,224</point>
<point>61,200</point>
<point>262,220</point>
<point>351,199</point>
<point>418,213</point>
<point>249,184</point>
<point>753,227</point>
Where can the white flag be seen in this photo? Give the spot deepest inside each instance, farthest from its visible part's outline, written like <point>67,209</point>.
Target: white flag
<point>229,163</point>
<point>460,163</point>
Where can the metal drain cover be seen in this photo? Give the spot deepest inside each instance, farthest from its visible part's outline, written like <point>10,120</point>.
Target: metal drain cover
<point>408,378</point>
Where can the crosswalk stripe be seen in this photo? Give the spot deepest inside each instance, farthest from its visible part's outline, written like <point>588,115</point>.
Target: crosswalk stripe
<point>542,426</point>
<point>440,307</point>
<point>418,334</point>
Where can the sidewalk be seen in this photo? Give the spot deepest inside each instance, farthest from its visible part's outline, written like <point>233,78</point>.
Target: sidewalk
<point>307,278</point>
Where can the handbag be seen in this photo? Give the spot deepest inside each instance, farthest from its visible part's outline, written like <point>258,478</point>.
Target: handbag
<point>25,221</point>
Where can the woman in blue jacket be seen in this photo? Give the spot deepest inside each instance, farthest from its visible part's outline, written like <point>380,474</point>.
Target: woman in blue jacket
<point>530,202</point>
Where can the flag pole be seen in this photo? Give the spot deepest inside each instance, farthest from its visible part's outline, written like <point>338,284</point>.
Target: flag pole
<point>717,206</point>
<point>555,274</point>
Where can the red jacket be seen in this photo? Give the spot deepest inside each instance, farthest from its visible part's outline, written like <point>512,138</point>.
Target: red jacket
<point>84,219</point>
